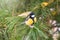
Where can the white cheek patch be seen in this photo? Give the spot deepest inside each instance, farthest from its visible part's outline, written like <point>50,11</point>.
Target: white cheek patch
<point>33,16</point>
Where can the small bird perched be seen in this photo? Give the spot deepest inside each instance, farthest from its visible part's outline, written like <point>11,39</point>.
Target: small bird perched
<point>30,18</point>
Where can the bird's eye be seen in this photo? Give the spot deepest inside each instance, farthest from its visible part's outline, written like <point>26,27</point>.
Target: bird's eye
<point>32,15</point>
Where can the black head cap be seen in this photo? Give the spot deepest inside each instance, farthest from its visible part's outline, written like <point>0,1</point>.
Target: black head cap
<point>31,13</point>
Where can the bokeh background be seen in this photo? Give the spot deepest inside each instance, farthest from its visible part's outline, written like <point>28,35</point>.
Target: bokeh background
<point>10,28</point>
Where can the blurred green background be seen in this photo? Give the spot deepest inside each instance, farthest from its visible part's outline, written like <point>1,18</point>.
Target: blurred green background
<point>10,28</point>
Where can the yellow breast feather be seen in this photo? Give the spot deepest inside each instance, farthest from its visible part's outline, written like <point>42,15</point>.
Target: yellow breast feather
<point>29,22</point>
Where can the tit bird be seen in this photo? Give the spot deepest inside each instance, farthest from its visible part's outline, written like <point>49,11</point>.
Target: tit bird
<point>30,20</point>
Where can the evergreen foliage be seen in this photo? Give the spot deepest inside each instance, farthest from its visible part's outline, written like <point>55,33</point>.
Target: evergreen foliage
<point>10,22</point>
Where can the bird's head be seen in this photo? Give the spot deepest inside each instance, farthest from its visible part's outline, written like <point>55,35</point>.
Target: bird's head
<point>32,15</point>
